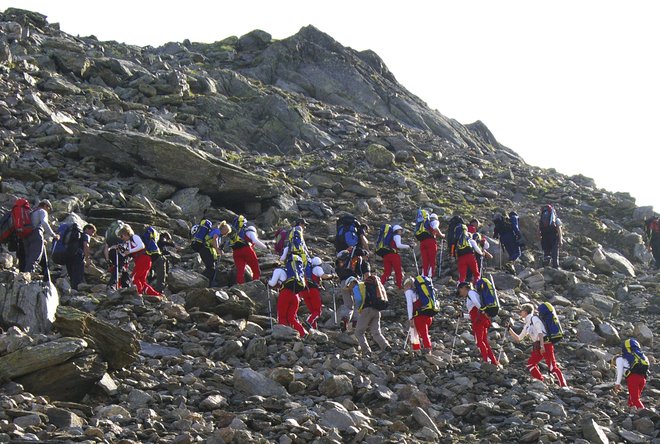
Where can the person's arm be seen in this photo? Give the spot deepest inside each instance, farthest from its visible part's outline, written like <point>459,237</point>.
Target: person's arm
<point>560,237</point>
<point>486,245</point>
<point>471,302</point>
<point>619,371</point>
<point>85,244</point>
<point>538,327</point>
<point>399,245</point>
<point>43,215</point>
<point>135,244</point>
<point>285,253</point>
<point>409,305</point>
<point>252,235</point>
<point>435,228</point>
<point>106,251</point>
<point>475,246</point>
<point>275,279</point>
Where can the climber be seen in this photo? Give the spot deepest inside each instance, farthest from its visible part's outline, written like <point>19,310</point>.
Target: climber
<point>242,239</point>
<point>34,244</point>
<point>160,262</point>
<point>652,230</point>
<point>480,321</point>
<point>345,268</point>
<point>508,232</point>
<point>370,298</point>
<point>75,264</point>
<point>550,230</point>
<point>134,247</point>
<point>634,365</point>
<point>311,295</point>
<point>389,242</point>
<point>536,330</point>
<point>427,230</point>
<point>421,305</point>
<point>296,242</point>
<point>290,279</point>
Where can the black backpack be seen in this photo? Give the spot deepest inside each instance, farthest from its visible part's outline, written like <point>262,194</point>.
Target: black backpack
<point>69,243</point>
<point>347,232</point>
<point>454,222</point>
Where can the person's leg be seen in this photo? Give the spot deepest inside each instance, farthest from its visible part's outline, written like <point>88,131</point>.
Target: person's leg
<point>159,266</point>
<point>429,250</point>
<point>636,383</point>
<point>398,270</point>
<point>422,324</point>
<point>140,271</point>
<point>532,364</point>
<point>346,309</point>
<point>479,336</point>
<point>240,263</point>
<point>253,262</point>
<point>76,270</point>
<point>462,265</point>
<point>555,255</point>
<point>551,361</point>
<point>387,268</point>
<point>292,315</point>
<point>34,248</point>
<point>315,306</point>
<point>363,321</point>
<point>374,327</point>
<point>474,268</point>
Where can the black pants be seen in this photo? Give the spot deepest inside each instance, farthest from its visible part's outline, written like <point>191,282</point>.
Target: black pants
<point>159,268</point>
<point>208,260</point>
<point>120,261</point>
<point>655,250</point>
<point>75,268</point>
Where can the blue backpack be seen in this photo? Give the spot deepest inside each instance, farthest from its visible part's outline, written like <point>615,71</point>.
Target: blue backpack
<point>384,242</point>
<point>423,225</point>
<point>637,360</point>
<point>150,239</point>
<point>295,243</point>
<point>427,304</point>
<point>347,233</point>
<point>490,303</point>
<point>548,316</point>
<point>295,273</point>
<point>68,244</point>
<point>200,231</point>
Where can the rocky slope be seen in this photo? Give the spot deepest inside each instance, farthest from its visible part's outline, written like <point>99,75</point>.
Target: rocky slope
<point>274,129</point>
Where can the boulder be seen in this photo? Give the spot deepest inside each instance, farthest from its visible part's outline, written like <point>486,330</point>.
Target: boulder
<point>505,281</point>
<point>593,432</point>
<point>183,280</point>
<point>609,260</point>
<point>334,386</point>
<point>552,408</point>
<point>159,159</point>
<point>30,305</point>
<point>192,204</point>
<point>252,383</point>
<point>31,359</point>
<point>643,334</point>
<point>586,332</point>
<point>118,347</point>
<point>237,305</point>
<point>379,156</point>
<point>609,333</point>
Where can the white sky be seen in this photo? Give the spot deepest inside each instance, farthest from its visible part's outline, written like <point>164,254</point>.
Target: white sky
<point>573,85</point>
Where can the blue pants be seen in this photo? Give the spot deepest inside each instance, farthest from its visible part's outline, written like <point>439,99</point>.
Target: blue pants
<point>508,240</point>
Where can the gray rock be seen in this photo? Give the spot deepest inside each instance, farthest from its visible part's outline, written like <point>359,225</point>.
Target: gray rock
<point>505,281</point>
<point>254,40</point>
<point>593,432</point>
<point>113,410</point>
<point>181,280</point>
<point>284,332</point>
<point>424,420</point>
<point>633,437</point>
<point>640,214</point>
<point>256,349</point>
<point>337,417</point>
<point>27,420</point>
<point>586,332</point>
<point>251,383</point>
<point>336,386</point>
<point>213,402</point>
<point>552,408</point>
<point>14,339</point>
<point>643,334</point>
<point>30,305</point>
<point>139,398</point>
<point>609,333</point>
<point>62,418</point>
<point>157,351</point>
<point>379,156</point>
<point>192,204</point>
<point>604,304</point>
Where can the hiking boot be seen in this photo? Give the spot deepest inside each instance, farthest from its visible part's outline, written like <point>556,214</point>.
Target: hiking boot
<point>307,325</point>
<point>343,325</point>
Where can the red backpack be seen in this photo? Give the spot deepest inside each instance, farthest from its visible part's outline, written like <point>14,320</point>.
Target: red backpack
<point>20,217</point>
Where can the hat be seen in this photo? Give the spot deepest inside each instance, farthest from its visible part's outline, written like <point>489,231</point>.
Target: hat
<point>433,216</point>
<point>301,221</point>
<point>350,280</point>
<point>463,285</point>
<point>46,203</point>
<point>397,228</point>
<point>316,261</point>
<point>343,255</point>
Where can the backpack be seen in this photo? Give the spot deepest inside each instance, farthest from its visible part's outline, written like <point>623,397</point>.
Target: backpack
<point>427,304</point>
<point>423,225</point>
<point>199,231</point>
<point>295,243</point>
<point>490,303</point>
<point>653,228</point>
<point>111,237</point>
<point>6,227</point>
<point>462,241</point>
<point>20,218</point>
<point>373,294</point>
<point>295,273</point>
<point>454,222</point>
<point>347,232</point>
<point>637,360</point>
<point>515,223</point>
<point>150,239</point>
<point>384,241</point>
<point>548,219</point>
<point>68,245</point>
<point>281,237</point>
<point>548,315</point>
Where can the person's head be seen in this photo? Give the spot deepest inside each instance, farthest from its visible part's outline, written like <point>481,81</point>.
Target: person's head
<point>316,261</point>
<point>300,222</point>
<point>498,218</point>
<point>125,232</point>
<point>224,227</point>
<point>613,361</point>
<point>46,205</point>
<point>433,216</point>
<point>166,236</point>
<point>463,288</point>
<point>526,310</point>
<point>398,229</point>
<point>475,223</point>
<point>365,228</point>
<point>351,282</point>
<point>408,283</point>
<point>89,229</point>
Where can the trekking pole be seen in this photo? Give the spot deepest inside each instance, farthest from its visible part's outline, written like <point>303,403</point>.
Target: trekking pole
<point>270,310</point>
<point>415,257</point>
<point>501,246</point>
<point>405,343</point>
<point>506,330</point>
<point>45,265</point>
<point>117,283</point>
<point>453,343</point>
<point>442,248</point>
<point>334,302</point>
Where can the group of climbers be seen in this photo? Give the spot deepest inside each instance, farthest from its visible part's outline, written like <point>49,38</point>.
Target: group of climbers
<point>301,274</point>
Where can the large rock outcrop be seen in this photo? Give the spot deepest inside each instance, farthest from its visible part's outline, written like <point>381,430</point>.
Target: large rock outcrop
<point>26,303</point>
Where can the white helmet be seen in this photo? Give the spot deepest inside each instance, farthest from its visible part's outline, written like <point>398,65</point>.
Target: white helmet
<point>316,261</point>
<point>433,216</point>
<point>350,280</point>
<point>397,228</point>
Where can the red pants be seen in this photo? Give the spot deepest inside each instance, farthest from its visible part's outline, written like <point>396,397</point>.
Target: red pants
<point>636,383</point>
<point>422,325</point>
<point>140,272</point>
<point>480,326</point>
<point>287,310</point>
<point>533,364</point>
<point>312,298</point>
<point>465,262</point>
<point>552,363</point>
<point>392,261</point>
<point>246,256</point>
<point>429,251</point>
